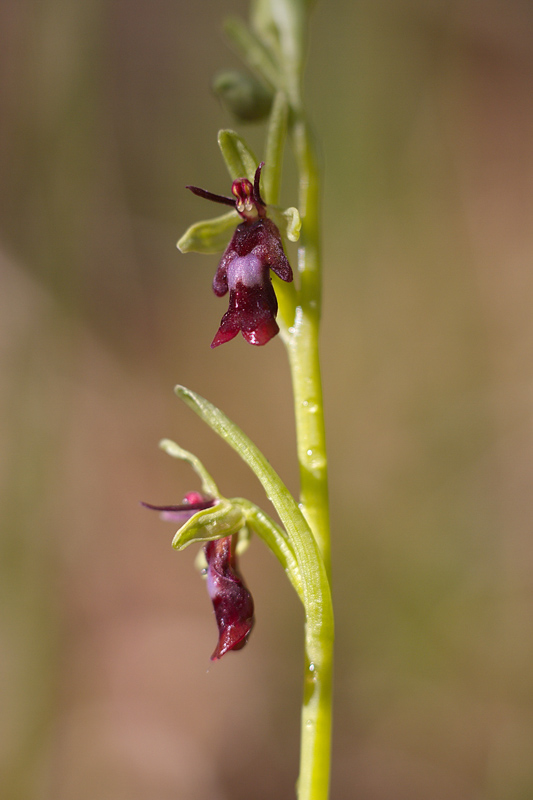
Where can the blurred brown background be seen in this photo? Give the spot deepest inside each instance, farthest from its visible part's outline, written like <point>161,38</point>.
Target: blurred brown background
<point>425,115</point>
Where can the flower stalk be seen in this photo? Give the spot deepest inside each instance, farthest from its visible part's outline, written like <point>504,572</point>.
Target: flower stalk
<point>302,343</point>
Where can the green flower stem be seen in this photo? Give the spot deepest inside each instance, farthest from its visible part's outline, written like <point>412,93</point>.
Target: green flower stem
<point>302,347</point>
<point>313,781</point>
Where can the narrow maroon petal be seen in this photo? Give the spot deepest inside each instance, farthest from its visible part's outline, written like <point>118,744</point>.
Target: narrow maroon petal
<point>216,198</point>
<point>192,507</point>
<point>194,502</point>
<point>257,179</point>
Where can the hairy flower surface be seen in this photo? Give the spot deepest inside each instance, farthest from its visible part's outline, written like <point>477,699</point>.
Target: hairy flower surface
<point>244,269</point>
<point>232,602</point>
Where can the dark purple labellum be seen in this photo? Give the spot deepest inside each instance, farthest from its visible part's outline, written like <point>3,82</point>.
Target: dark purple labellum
<point>232,602</point>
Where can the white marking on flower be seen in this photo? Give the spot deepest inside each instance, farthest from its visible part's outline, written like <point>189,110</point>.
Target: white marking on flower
<point>247,270</point>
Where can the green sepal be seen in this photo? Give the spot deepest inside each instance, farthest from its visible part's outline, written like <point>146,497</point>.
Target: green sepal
<point>240,160</point>
<point>209,236</point>
<point>221,520</point>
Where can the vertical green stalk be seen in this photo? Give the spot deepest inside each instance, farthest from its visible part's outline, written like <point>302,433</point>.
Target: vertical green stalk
<point>302,347</point>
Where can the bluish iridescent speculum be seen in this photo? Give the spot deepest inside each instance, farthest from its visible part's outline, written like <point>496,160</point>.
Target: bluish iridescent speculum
<point>244,269</point>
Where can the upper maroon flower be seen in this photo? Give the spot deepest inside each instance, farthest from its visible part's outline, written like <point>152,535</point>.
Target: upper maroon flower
<point>232,602</point>
<point>244,269</point>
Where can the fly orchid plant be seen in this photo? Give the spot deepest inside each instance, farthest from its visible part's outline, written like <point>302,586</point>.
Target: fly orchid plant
<point>254,269</point>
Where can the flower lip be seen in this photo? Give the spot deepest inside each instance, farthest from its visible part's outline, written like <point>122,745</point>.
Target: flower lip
<point>253,305</point>
<point>232,602</point>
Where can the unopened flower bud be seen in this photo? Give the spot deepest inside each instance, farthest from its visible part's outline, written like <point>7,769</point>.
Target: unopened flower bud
<point>243,95</point>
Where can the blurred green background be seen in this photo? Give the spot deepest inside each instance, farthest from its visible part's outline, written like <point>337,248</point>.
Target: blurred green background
<point>424,113</point>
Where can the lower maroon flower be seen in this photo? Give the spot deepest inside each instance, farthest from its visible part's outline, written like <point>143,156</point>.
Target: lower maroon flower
<point>232,602</point>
